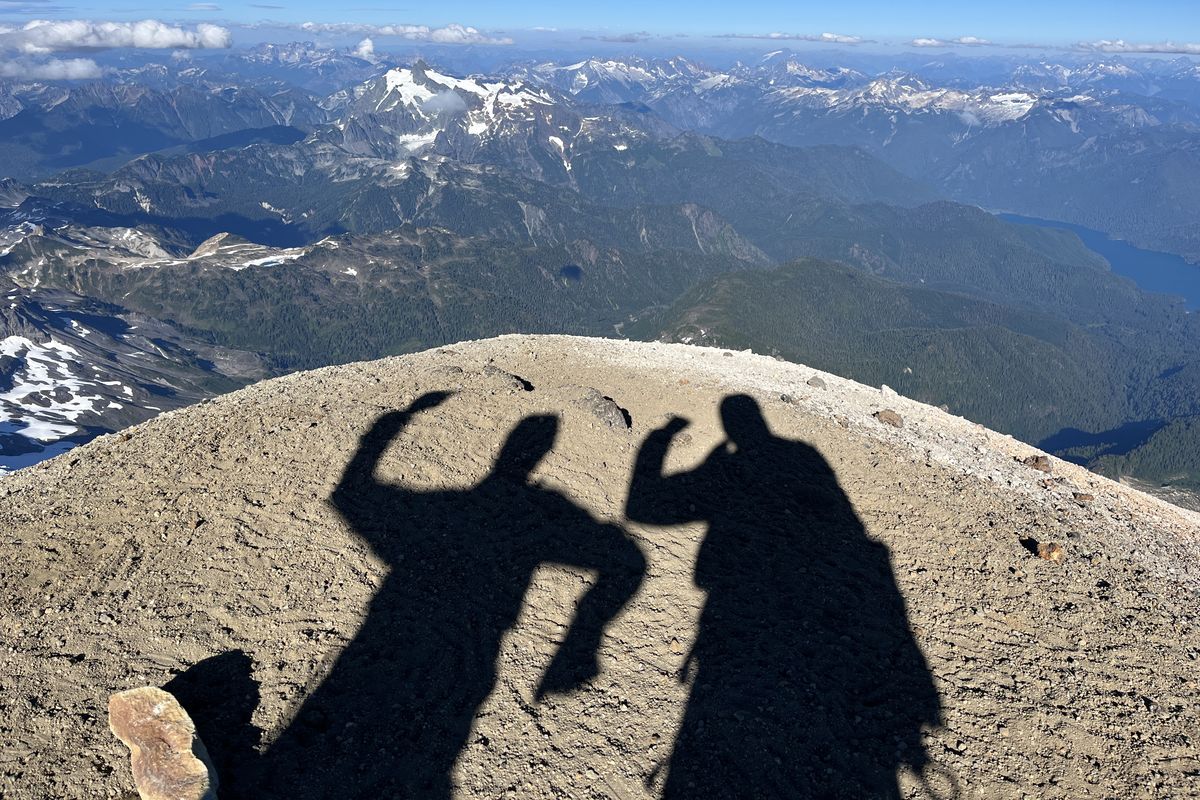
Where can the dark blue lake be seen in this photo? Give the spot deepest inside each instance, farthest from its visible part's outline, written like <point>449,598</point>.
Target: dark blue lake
<point>1150,270</point>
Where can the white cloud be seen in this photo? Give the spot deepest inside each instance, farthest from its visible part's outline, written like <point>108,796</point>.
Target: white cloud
<point>1122,46</point>
<point>365,49</point>
<point>828,38</point>
<point>56,69</point>
<point>31,8</point>
<point>963,41</point>
<point>838,38</point>
<point>459,34</point>
<point>447,102</point>
<point>626,38</point>
<point>47,36</point>
<point>449,34</point>
<point>204,7</point>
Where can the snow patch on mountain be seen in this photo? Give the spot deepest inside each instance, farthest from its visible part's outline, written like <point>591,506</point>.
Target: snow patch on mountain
<point>910,97</point>
<point>402,89</point>
<point>44,390</point>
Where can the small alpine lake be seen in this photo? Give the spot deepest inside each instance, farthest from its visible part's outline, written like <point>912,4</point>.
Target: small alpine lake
<point>1149,269</point>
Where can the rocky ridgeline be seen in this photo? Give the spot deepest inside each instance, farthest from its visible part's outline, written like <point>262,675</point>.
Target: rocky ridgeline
<point>959,613</point>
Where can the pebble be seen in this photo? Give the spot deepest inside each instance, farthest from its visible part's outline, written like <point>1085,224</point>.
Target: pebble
<point>1051,551</point>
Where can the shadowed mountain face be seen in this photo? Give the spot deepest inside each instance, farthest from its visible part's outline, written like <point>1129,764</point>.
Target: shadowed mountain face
<point>805,679</point>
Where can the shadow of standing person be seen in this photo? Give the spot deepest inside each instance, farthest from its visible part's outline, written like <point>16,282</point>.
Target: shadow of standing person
<point>806,680</point>
<point>396,708</point>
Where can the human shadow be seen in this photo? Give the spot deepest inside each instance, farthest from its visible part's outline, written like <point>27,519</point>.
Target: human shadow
<point>396,707</point>
<point>220,695</point>
<point>807,682</point>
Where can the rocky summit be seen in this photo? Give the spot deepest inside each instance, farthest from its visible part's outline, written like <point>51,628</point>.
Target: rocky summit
<point>550,566</point>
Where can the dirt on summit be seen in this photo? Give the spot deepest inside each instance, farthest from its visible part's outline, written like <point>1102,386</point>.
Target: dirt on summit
<point>547,567</point>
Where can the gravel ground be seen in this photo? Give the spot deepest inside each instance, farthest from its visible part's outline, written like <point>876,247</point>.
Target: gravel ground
<point>539,585</point>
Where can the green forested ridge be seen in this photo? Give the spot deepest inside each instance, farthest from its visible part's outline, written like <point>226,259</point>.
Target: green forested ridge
<point>1167,457</point>
<point>404,292</point>
<point>1019,371</point>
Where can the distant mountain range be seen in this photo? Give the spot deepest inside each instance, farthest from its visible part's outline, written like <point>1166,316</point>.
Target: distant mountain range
<point>1099,144</point>
<point>290,207</point>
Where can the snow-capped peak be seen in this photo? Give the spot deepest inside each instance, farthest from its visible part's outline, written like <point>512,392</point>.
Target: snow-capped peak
<point>426,92</point>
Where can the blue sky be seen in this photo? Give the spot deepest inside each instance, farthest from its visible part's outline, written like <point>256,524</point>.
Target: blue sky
<point>1010,22</point>
<point>1051,20</point>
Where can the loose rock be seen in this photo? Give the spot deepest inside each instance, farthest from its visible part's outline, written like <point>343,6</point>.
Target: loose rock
<point>889,417</point>
<point>816,382</point>
<point>165,753</point>
<point>1051,551</point>
<point>1041,463</point>
<point>605,409</point>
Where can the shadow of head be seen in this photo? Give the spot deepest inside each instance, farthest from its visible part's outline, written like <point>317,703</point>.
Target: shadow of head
<point>220,695</point>
<point>743,420</point>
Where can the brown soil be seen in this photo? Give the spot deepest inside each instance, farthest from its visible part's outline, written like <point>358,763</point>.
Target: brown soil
<point>889,633</point>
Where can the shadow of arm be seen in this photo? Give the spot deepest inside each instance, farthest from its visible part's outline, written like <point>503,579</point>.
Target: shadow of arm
<point>620,565</point>
<point>358,479</point>
<point>655,498</point>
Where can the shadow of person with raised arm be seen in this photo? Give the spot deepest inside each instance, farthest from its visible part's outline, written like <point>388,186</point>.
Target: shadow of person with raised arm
<point>806,680</point>
<point>396,708</point>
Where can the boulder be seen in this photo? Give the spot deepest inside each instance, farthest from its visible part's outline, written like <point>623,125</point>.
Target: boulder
<point>1041,463</point>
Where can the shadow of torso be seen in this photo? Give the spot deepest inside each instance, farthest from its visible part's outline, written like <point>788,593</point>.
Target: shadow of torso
<point>396,708</point>
<point>806,679</point>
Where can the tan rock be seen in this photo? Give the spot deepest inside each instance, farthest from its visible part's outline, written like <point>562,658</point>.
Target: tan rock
<point>890,417</point>
<point>1051,551</point>
<point>1041,463</point>
<point>168,759</point>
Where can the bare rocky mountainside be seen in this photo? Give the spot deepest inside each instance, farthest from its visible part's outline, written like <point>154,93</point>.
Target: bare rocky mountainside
<point>551,566</point>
